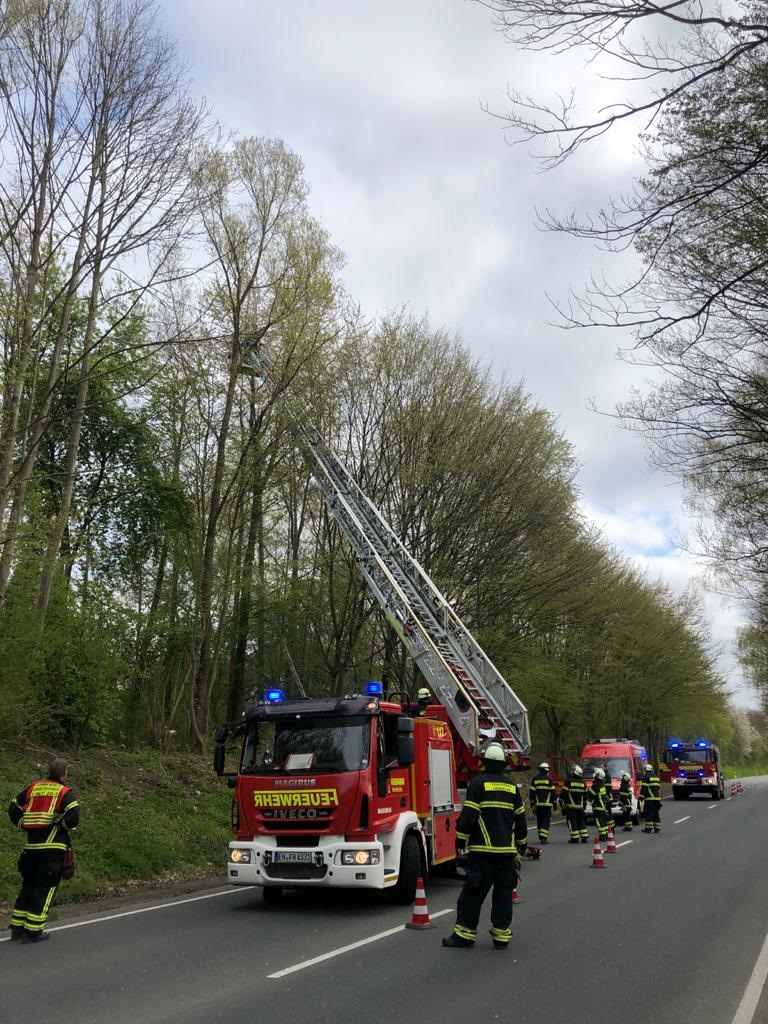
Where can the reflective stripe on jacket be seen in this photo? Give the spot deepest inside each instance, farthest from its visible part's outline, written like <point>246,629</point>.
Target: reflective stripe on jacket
<point>47,811</point>
<point>493,817</point>
<point>573,793</point>
<point>542,791</point>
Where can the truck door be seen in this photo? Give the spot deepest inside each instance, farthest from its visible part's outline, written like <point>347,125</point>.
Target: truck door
<point>442,806</point>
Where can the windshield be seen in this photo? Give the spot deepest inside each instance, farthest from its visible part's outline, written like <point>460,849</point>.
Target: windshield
<point>613,766</point>
<point>327,743</point>
<point>699,756</point>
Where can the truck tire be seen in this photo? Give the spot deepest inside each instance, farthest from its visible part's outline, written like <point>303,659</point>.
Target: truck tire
<point>273,894</point>
<point>715,793</point>
<point>404,889</point>
<point>676,794</point>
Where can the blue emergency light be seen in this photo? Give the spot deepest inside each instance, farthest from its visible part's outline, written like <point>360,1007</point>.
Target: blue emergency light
<point>374,689</point>
<point>702,743</point>
<point>274,696</point>
<point>674,746</point>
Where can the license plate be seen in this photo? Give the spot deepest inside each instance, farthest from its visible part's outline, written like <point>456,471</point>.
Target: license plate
<point>293,858</point>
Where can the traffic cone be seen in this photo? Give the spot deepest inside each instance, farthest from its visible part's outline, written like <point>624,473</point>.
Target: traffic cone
<point>733,789</point>
<point>597,854</point>
<point>739,787</point>
<point>611,847</point>
<point>516,897</point>
<point>420,916</point>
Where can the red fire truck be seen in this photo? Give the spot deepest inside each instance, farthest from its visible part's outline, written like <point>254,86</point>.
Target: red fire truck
<point>354,791</point>
<point>693,766</point>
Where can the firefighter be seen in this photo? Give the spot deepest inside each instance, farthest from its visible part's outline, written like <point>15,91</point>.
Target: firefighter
<point>492,828</point>
<point>650,795</point>
<point>542,798</point>
<point>423,698</point>
<point>48,812</point>
<point>572,800</point>
<point>625,801</point>
<point>600,805</point>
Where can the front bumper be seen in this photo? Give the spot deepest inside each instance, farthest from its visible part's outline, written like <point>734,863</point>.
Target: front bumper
<point>318,865</point>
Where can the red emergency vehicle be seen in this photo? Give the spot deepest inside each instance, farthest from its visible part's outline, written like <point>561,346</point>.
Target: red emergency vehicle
<point>615,755</point>
<point>692,766</point>
<point>346,792</point>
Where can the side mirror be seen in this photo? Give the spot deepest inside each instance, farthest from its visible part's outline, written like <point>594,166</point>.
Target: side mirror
<point>218,758</point>
<point>222,734</point>
<point>406,751</point>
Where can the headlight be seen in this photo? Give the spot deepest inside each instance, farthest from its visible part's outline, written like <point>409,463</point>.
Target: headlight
<point>240,856</point>
<point>358,857</point>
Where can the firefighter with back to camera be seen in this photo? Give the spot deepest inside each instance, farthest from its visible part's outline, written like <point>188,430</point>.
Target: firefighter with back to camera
<point>601,808</point>
<point>542,798</point>
<point>573,796</point>
<point>625,801</point>
<point>650,796</point>
<point>493,830</point>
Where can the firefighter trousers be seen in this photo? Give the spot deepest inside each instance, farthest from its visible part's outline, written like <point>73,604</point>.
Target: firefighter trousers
<point>543,820</point>
<point>604,823</point>
<point>626,817</point>
<point>40,876</point>
<point>652,816</point>
<point>486,871</point>
<point>577,824</point>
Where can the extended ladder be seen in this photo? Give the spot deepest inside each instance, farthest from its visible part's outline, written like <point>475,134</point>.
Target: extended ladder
<point>480,703</point>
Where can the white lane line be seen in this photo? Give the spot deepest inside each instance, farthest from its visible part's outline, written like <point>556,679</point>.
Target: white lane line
<point>686,818</point>
<point>625,843</point>
<point>142,910</point>
<point>729,798</point>
<point>709,808</point>
<point>746,1011</point>
<point>351,946</point>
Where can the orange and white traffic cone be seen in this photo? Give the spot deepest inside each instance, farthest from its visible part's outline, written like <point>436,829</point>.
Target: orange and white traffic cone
<point>597,854</point>
<point>420,916</point>
<point>733,789</point>
<point>611,846</point>
<point>516,897</point>
<point>739,787</point>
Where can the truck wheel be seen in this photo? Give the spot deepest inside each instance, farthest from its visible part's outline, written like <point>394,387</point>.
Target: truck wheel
<point>273,894</point>
<point>404,889</point>
<point>676,794</point>
<point>715,793</point>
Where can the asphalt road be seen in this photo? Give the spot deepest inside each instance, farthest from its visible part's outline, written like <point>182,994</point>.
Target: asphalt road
<point>672,930</point>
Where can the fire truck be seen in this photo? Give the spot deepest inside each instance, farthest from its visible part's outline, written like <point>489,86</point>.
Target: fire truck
<point>692,767</point>
<point>355,791</point>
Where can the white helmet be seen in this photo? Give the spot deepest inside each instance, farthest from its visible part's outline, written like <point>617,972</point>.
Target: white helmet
<point>599,773</point>
<point>626,776</point>
<point>494,752</point>
<point>423,694</point>
<point>544,765</point>
<point>577,770</point>
<point>649,768</point>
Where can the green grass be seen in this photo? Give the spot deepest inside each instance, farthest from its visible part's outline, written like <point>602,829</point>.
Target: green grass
<point>144,817</point>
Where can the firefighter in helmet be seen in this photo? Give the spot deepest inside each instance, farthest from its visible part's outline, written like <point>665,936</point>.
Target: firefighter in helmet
<point>600,805</point>
<point>650,795</point>
<point>625,801</point>
<point>48,812</point>
<point>423,698</point>
<point>492,828</point>
<point>542,798</point>
<point>573,796</point>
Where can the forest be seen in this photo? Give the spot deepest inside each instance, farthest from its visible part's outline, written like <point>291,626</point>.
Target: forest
<point>166,553</point>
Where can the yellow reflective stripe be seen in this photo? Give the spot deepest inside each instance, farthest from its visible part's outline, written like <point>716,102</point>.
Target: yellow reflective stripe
<point>484,830</point>
<point>465,933</point>
<point>462,835</point>
<point>505,787</point>
<point>476,848</point>
<point>521,809</point>
<point>472,804</point>
<point>503,804</point>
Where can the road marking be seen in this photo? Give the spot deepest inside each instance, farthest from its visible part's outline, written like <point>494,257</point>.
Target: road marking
<point>346,949</point>
<point>687,818</point>
<point>142,910</point>
<point>729,798</point>
<point>711,806</point>
<point>625,843</point>
<point>746,1011</point>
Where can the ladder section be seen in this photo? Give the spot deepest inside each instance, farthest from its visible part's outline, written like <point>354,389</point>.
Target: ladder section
<point>480,703</point>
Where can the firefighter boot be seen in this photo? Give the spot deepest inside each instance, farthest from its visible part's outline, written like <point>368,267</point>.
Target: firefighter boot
<point>454,942</point>
<point>16,933</point>
<point>28,937</point>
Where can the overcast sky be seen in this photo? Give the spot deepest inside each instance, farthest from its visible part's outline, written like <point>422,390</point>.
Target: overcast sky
<point>384,101</point>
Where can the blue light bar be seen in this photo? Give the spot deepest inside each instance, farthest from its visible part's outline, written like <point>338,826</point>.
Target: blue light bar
<point>374,689</point>
<point>702,743</point>
<point>274,696</point>
<point>672,746</point>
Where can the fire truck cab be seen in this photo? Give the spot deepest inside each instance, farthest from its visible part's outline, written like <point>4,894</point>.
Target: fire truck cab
<point>615,755</point>
<point>693,767</point>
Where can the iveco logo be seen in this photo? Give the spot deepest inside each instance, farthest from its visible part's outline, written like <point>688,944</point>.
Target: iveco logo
<point>295,782</point>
